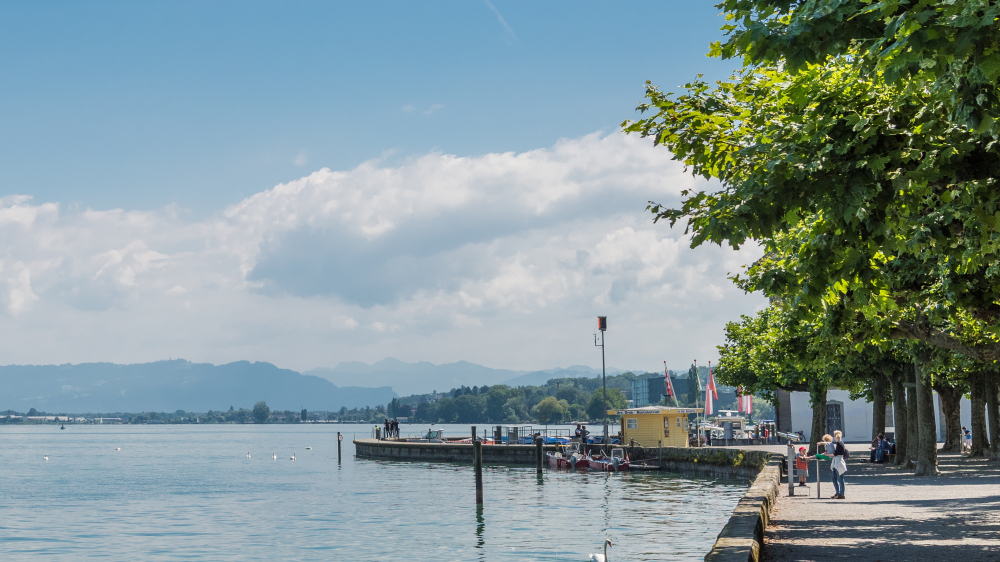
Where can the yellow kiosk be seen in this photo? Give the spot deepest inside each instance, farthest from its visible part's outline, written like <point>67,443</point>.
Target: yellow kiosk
<point>651,425</point>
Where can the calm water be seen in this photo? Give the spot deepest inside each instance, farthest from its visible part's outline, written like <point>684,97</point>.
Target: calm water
<point>189,492</point>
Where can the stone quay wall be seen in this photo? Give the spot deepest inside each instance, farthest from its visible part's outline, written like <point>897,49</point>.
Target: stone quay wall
<point>742,539</point>
<point>444,452</point>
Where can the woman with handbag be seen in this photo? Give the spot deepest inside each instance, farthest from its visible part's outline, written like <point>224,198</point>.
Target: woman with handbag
<point>839,464</point>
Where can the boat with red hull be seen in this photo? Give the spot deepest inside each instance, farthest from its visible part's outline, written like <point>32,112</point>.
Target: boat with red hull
<point>617,461</point>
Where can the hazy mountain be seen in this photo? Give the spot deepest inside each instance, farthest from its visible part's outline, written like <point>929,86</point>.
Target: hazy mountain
<point>424,377</point>
<point>413,378</point>
<point>166,386</point>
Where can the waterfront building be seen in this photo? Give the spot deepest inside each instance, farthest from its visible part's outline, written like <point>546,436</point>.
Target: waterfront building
<point>852,417</point>
<point>653,425</point>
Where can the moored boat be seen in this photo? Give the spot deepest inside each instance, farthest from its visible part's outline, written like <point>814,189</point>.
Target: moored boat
<point>556,460</point>
<point>617,461</point>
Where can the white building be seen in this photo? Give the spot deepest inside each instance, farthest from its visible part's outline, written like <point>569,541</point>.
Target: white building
<point>852,417</point>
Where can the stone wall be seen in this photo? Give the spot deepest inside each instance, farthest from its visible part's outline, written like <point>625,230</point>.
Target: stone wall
<point>742,539</point>
<point>733,463</point>
<point>444,452</point>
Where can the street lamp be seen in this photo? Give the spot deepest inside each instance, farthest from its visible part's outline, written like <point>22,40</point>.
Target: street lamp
<point>602,325</point>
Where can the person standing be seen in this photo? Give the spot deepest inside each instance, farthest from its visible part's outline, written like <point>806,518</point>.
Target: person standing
<point>827,446</point>
<point>839,464</point>
<point>802,466</point>
<point>966,439</point>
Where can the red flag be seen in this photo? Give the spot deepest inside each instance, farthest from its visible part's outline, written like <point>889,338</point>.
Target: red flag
<point>670,384</point>
<point>739,399</point>
<point>710,390</point>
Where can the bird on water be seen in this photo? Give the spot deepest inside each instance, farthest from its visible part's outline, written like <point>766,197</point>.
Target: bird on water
<point>46,457</point>
<point>601,557</point>
<point>248,454</point>
<point>293,456</point>
<point>274,457</point>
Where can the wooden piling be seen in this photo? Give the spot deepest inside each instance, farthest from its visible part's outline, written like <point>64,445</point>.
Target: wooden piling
<point>538,454</point>
<point>477,463</point>
<point>659,444</point>
<point>339,439</point>
<point>473,433</point>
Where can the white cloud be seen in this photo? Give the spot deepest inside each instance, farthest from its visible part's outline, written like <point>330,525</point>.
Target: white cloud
<point>441,258</point>
<point>433,108</point>
<point>301,159</point>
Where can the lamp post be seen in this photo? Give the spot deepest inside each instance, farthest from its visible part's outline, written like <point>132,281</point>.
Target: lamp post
<point>602,325</point>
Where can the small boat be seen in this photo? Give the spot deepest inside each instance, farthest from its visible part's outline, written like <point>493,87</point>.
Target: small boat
<point>569,458</point>
<point>556,460</point>
<point>62,427</point>
<point>617,461</point>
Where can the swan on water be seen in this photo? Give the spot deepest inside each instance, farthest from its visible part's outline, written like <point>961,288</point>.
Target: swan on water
<point>293,456</point>
<point>248,454</point>
<point>601,557</point>
<point>118,448</point>
<point>274,457</point>
<point>46,457</point>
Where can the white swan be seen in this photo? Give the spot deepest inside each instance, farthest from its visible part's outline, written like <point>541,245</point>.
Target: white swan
<point>248,454</point>
<point>274,457</point>
<point>118,448</point>
<point>46,457</point>
<point>601,557</point>
<point>293,456</point>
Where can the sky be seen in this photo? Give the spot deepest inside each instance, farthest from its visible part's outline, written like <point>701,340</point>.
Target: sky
<point>306,183</point>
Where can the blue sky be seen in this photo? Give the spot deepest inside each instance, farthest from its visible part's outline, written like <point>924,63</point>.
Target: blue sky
<point>312,182</point>
<point>140,105</point>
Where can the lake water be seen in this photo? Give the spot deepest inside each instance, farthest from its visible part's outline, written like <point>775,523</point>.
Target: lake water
<point>189,493</point>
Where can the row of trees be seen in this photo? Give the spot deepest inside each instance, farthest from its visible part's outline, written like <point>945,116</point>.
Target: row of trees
<point>557,401</point>
<point>857,145</point>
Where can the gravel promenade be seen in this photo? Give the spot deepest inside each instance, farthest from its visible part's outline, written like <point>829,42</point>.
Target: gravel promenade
<point>891,515</point>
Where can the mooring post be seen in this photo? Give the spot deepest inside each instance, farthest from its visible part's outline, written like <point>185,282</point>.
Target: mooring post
<point>339,439</point>
<point>477,463</point>
<point>538,454</point>
<point>791,468</point>
<point>659,444</point>
<point>473,433</point>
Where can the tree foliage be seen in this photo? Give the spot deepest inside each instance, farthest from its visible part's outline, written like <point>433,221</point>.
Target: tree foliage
<point>261,412</point>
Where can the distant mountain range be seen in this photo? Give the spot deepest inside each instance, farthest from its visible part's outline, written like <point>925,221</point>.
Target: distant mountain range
<point>423,377</point>
<point>166,386</point>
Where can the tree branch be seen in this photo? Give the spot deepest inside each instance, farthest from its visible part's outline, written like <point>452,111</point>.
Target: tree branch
<point>921,331</point>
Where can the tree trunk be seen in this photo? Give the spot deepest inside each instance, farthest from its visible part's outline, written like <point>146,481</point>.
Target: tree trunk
<point>878,404</point>
<point>951,399</point>
<point>980,444</point>
<point>817,397</point>
<point>899,412</point>
<point>927,447</point>
<point>993,409</point>
<point>912,435</point>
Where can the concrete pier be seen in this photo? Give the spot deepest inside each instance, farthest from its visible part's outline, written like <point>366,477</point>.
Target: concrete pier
<point>705,460</point>
<point>445,452</point>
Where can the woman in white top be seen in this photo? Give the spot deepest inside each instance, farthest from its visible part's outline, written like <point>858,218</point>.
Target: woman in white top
<point>827,447</point>
<point>839,464</point>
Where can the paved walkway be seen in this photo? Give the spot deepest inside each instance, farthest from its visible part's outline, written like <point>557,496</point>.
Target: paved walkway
<point>891,515</point>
